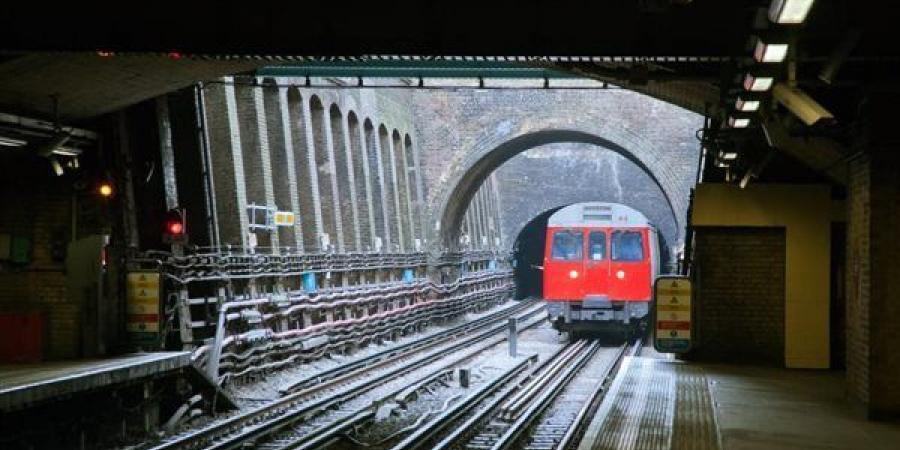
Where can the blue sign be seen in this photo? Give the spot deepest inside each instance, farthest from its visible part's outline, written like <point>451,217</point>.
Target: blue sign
<point>309,282</point>
<point>408,276</point>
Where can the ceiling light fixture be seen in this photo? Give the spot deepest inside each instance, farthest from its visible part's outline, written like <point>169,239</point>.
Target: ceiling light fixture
<point>754,83</point>
<point>746,105</point>
<point>789,11</point>
<point>66,151</point>
<point>738,122</point>
<point>769,52</point>
<point>11,142</point>
<point>728,156</point>
<point>57,167</point>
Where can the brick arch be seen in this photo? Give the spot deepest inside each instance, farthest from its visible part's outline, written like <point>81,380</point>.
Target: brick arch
<point>504,142</point>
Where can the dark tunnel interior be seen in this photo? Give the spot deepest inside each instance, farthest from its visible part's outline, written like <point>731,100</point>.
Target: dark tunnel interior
<point>528,252</point>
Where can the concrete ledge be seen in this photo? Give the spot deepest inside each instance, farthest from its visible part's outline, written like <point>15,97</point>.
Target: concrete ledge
<point>25,385</point>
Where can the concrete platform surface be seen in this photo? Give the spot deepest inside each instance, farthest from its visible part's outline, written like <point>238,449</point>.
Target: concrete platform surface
<point>658,403</point>
<point>22,385</point>
<point>770,408</point>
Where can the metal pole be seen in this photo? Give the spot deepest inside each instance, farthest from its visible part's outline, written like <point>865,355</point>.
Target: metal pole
<point>513,335</point>
<point>215,351</point>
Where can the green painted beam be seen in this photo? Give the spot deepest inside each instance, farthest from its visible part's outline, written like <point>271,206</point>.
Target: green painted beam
<point>412,69</point>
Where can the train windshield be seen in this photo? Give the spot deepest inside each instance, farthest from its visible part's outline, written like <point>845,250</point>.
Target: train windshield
<point>567,245</point>
<point>597,245</point>
<point>627,246</point>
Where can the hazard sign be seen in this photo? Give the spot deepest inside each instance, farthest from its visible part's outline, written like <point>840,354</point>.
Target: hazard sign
<point>142,302</point>
<point>672,297</point>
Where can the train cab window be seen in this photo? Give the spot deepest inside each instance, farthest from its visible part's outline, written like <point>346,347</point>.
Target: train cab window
<point>567,245</point>
<point>597,245</point>
<point>627,246</point>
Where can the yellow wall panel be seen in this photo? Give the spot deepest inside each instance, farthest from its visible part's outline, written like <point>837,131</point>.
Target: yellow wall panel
<point>806,212</point>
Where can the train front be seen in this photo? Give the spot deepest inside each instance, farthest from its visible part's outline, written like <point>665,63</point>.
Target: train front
<point>600,261</point>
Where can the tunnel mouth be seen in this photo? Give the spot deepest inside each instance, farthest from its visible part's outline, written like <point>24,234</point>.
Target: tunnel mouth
<point>528,255</point>
<point>453,203</point>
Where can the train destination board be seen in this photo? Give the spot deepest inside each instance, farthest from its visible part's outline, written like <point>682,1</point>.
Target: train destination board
<point>672,300</point>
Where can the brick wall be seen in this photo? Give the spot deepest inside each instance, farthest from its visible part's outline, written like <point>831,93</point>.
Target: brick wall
<point>740,294</point>
<point>873,275</point>
<point>884,248</point>
<point>529,183</point>
<point>858,289</point>
<point>460,129</point>
<point>36,205</point>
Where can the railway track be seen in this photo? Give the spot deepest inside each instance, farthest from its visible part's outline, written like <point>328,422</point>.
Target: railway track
<point>288,422</point>
<point>545,409</point>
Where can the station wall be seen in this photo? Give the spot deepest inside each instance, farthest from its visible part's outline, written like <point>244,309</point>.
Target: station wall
<point>804,211</point>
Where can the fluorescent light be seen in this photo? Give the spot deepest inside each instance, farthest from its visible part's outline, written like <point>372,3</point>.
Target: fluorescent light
<point>757,84</point>
<point>57,167</point>
<point>746,105</point>
<point>11,142</point>
<point>746,179</point>
<point>738,122</point>
<point>729,156</point>
<point>789,11</point>
<point>769,53</point>
<point>66,151</point>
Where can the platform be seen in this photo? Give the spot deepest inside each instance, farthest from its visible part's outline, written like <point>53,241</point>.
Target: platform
<point>22,385</point>
<point>664,404</point>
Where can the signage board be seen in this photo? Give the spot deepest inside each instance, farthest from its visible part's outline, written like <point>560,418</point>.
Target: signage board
<point>142,302</point>
<point>284,219</point>
<point>672,300</point>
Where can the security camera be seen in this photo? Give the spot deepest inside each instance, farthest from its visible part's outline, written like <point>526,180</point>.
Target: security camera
<point>801,104</point>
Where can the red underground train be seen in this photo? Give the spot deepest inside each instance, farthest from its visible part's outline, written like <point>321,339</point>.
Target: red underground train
<point>600,260</point>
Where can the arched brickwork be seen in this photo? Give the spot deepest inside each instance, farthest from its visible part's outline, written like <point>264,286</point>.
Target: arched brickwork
<point>449,206</point>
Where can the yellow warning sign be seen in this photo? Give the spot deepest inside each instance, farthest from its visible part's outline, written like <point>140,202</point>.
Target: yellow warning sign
<point>284,218</point>
<point>672,298</point>
<point>142,302</point>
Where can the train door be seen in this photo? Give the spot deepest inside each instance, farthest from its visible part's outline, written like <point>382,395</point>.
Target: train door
<point>596,264</point>
<point>630,264</point>
<point>564,264</point>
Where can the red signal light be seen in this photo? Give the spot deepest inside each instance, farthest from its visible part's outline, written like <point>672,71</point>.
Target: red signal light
<point>174,227</point>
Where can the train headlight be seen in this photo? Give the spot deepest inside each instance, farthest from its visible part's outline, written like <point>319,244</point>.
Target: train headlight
<point>573,274</point>
<point>620,274</point>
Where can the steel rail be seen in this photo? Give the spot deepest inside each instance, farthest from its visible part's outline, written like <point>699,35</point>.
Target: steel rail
<point>594,398</point>
<point>403,350</point>
<point>281,409</point>
<point>521,406</point>
<point>285,420</point>
<point>551,390</point>
<point>460,407</point>
<point>429,430</point>
<point>433,428</point>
